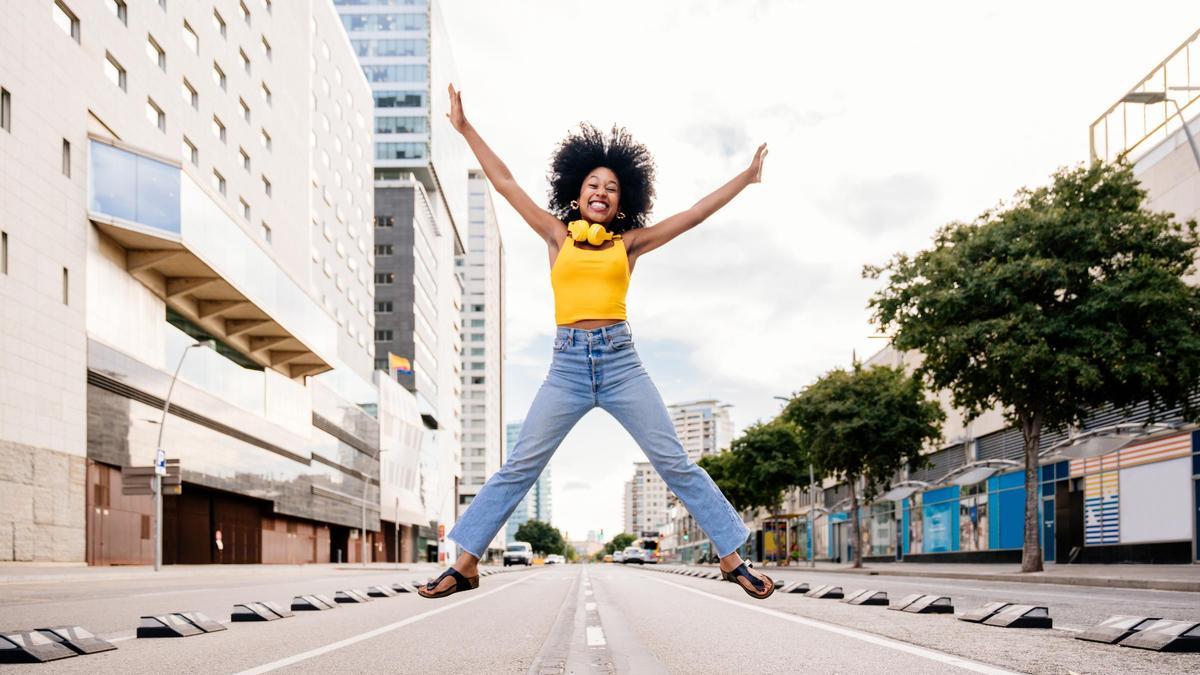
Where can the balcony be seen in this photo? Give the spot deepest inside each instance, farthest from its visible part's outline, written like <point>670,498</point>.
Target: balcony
<point>187,250</point>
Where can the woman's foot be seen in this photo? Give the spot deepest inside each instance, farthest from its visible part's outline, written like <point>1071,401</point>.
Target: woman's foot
<point>756,584</point>
<point>462,576</point>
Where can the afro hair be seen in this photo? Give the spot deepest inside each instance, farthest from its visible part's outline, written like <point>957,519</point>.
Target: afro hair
<point>584,150</point>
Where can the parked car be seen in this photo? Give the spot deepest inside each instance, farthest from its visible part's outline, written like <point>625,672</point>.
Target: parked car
<point>608,557</point>
<point>555,559</point>
<point>633,554</point>
<point>518,553</point>
<point>618,556</point>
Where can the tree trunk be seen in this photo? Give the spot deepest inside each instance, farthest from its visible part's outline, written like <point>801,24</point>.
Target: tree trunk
<point>857,525</point>
<point>1031,431</point>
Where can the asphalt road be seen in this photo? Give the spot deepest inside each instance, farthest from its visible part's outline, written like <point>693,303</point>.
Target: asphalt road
<point>588,619</point>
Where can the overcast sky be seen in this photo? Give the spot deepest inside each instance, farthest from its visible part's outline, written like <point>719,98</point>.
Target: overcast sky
<point>884,121</point>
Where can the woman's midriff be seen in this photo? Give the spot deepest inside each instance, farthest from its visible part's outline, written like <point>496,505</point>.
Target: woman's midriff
<point>591,323</point>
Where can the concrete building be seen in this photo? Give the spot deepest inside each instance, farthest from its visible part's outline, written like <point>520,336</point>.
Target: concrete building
<point>703,427</point>
<point>525,507</point>
<point>175,173</point>
<point>627,512</point>
<point>420,209</point>
<point>481,272</point>
<point>647,497</point>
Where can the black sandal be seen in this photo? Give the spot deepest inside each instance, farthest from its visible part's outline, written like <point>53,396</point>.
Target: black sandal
<point>764,586</point>
<point>461,583</point>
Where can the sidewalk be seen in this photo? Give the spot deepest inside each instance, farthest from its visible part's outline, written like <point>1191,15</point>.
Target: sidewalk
<point>36,573</point>
<point>1155,577</point>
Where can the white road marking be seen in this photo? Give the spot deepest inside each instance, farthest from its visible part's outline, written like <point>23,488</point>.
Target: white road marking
<point>888,643</point>
<point>595,636</point>
<point>587,592</point>
<point>590,606</point>
<point>333,646</point>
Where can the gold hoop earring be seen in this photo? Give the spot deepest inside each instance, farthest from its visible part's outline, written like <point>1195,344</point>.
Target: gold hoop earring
<point>620,215</point>
<point>574,204</point>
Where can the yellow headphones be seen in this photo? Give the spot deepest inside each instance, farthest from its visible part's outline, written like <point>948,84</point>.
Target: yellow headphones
<point>593,233</point>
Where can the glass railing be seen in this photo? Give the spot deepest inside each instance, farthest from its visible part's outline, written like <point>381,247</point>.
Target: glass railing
<point>133,188</point>
<point>1130,127</point>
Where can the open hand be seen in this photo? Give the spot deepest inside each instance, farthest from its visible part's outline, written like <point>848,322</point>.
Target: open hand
<point>457,119</point>
<point>756,166</point>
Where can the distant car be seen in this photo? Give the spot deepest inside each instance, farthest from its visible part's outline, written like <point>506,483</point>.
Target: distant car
<point>555,559</point>
<point>618,556</point>
<point>608,557</point>
<point>518,553</point>
<point>633,554</point>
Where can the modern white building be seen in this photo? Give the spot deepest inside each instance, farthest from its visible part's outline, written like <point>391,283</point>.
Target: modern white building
<point>481,271</point>
<point>172,173</point>
<point>646,501</point>
<point>420,211</point>
<point>704,427</point>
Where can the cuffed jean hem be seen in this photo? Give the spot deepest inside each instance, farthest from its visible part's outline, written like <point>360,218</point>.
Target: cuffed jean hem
<point>451,538</point>
<point>721,554</point>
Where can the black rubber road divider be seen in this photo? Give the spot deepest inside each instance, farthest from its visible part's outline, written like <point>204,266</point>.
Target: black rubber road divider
<point>311,603</point>
<point>1116,628</point>
<point>906,601</point>
<point>30,646</point>
<point>351,596</point>
<point>78,639</point>
<point>258,611</point>
<point>202,621</point>
<point>931,604</point>
<point>380,592</point>
<point>1166,636</point>
<point>1021,616</point>
<point>797,587</point>
<point>867,597</point>
<point>826,593</point>
<point>981,614</point>
<point>166,626</point>
<point>401,588</point>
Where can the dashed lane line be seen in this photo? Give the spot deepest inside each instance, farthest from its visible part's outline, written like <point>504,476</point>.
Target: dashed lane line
<point>334,646</point>
<point>595,636</point>
<point>888,643</point>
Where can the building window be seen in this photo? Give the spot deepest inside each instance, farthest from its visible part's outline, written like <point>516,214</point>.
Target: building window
<point>383,249</point>
<point>163,4</point>
<point>219,23</point>
<point>218,75</point>
<point>385,278</point>
<point>476,308</point>
<point>270,7</point>
<point>266,186</point>
<point>218,129</point>
<point>3,253</point>
<point>245,159</point>
<point>266,93</point>
<point>384,307</point>
<point>190,38</point>
<point>245,110</point>
<point>266,48</point>
<point>190,152</point>
<point>409,72</point>
<point>114,71</point>
<point>245,208</point>
<point>399,99</point>
<point>66,158</point>
<point>66,20</point>
<point>157,56</point>
<point>245,60</point>
<point>383,336</point>
<point>245,11</point>
<point>265,139</point>
<point>190,96</point>
<point>266,233</point>
<point>401,150</point>
<point>385,221</point>
<point>66,286</point>
<point>218,181</point>
<point>5,110</point>
<point>401,125</point>
<point>155,115</point>
<point>118,8</point>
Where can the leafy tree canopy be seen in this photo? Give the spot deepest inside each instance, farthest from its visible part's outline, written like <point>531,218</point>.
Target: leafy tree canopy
<point>762,464</point>
<point>542,536</point>
<point>619,542</point>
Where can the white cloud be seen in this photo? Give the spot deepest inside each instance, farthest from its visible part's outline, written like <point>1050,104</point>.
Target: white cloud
<point>884,121</point>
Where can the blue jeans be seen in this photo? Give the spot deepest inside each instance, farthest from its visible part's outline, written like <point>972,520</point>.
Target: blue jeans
<point>597,368</point>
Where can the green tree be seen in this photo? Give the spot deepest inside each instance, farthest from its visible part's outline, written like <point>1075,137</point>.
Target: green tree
<point>619,542</point>
<point>864,424</point>
<point>761,465</point>
<point>543,537</point>
<point>1069,298</point>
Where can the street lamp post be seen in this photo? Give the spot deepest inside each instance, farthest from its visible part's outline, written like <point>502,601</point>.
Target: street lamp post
<point>1152,97</point>
<point>160,457</point>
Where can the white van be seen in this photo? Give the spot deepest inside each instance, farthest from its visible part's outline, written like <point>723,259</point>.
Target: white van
<point>518,553</point>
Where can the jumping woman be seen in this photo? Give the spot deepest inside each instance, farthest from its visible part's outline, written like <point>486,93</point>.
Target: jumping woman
<point>601,191</point>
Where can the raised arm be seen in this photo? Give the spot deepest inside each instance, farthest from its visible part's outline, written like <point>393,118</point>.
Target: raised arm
<point>649,238</point>
<point>542,221</point>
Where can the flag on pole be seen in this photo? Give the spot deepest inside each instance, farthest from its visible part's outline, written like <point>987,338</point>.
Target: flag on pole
<point>398,365</point>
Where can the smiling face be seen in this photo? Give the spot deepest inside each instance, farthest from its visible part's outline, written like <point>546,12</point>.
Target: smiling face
<point>600,196</point>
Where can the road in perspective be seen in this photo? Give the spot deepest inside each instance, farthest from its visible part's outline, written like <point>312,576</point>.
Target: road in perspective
<point>592,618</point>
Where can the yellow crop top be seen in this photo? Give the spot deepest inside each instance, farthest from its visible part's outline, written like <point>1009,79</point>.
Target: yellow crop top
<point>590,283</point>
